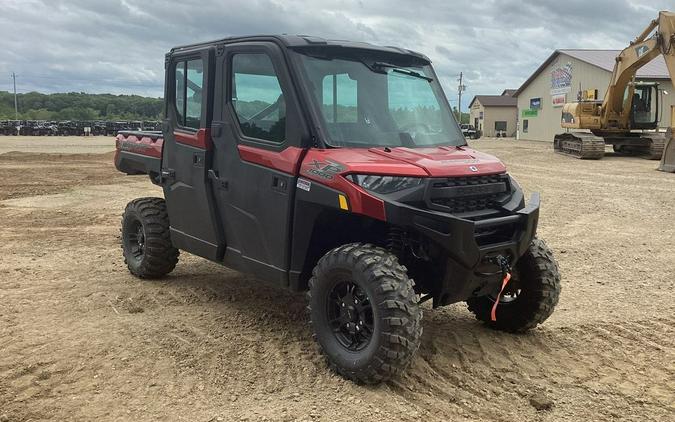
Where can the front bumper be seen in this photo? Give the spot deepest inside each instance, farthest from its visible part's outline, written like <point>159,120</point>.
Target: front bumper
<point>458,236</point>
<point>460,239</point>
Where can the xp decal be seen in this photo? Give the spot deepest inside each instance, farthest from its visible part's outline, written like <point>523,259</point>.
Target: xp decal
<point>323,169</point>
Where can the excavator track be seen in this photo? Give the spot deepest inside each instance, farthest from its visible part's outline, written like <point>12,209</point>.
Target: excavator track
<point>656,145</point>
<point>651,147</point>
<point>579,145</point>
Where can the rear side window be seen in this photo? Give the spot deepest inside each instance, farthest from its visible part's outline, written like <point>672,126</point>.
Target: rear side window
<point>189,83</point>
<point>257,97</point>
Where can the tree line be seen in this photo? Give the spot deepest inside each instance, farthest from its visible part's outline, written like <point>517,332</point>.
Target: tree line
<point>80,106</point>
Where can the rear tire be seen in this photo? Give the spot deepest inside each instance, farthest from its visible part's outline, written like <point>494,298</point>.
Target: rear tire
<point>538,281</point>
<point>146,242</point>
<point>364,313</point>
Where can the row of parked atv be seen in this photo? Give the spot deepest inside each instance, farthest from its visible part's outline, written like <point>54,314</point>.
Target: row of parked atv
<point>73,127</point>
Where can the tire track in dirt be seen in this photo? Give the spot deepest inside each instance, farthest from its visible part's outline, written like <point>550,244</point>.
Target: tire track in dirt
<point>602,356</point>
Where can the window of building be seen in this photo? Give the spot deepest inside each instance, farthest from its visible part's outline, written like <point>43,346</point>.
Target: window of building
<point>339,99</point>
<point>525,124</point>
<point>189,77</point>
<point>499,125</point>
<point>257,97</point>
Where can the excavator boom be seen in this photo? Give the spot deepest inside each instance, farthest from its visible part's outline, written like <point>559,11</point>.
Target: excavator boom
<point>626,106</point>
<point>667,31</point>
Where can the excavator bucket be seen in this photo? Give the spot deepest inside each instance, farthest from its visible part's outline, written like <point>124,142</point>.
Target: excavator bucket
<point>668,158</point>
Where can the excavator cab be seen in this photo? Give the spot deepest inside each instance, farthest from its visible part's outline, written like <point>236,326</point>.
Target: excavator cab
<point>644,106</point>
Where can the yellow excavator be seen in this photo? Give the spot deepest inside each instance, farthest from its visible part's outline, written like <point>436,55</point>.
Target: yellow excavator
<point>628,116</point>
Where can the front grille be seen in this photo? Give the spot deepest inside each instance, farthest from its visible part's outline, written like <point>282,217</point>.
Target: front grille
<point>469,180</point>
<point>458,206</point>
<point>458,195</point>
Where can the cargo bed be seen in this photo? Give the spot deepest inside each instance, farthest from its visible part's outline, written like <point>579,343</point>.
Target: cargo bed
<point>139,152</point>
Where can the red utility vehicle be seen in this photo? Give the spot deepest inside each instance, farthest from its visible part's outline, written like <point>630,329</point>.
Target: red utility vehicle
<point>335,168</point>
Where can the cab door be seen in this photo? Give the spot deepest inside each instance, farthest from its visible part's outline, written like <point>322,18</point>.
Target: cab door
<point>258,144</point>
<point>644,107</point>
<point>187,152</point>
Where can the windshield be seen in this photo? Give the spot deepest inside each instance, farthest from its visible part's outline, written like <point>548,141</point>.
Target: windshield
<point>380,104</point>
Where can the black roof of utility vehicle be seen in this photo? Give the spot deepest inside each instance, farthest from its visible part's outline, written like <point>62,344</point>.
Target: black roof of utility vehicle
<point>306,42</point>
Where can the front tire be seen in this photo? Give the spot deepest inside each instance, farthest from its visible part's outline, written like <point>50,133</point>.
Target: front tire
<point>364,313</point>
<point>146,242</point>
<point>530,296</point>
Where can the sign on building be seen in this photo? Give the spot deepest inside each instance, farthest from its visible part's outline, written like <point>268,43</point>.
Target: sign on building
<point>529,113</point>
<point>558,100</point>
<point>561,78</point>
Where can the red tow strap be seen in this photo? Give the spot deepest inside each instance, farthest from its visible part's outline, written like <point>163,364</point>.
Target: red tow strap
<point>493,314</point>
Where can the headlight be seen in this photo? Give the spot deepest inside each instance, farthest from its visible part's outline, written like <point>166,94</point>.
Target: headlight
<point>384,184</point>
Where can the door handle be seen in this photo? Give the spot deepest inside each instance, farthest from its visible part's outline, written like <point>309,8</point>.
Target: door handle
<point>168,174</point>
<point>279,184</point>
<point>220,183</point>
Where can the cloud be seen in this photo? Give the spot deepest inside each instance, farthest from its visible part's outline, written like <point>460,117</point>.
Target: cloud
<point>118,46</point>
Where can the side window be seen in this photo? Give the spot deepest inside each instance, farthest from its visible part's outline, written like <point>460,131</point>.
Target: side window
<point>643,112</point>
<point>257,97</point>
<point>180,93</point>
<point>189,84</point>
<point>525,126</point>
<point>339,99</point>
<point>500,125</point>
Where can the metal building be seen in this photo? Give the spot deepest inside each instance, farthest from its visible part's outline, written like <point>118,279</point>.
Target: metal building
<point>566,76</point>
<point>494,114</point>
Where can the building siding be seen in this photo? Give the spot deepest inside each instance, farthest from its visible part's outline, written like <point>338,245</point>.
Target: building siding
<point>546,124</point>
<point>492,115</point>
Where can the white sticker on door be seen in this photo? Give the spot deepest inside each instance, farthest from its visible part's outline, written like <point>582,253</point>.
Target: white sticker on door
<point>304,184</point>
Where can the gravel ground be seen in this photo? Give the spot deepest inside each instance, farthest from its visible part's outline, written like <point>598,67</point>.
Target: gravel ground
<point>57,144</point>
<point>81,339</point>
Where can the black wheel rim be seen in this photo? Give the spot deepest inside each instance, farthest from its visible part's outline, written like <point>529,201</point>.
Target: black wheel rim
<point>135,240</point>
<point>350,316</point>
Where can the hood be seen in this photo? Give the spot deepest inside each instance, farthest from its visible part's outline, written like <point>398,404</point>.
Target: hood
<point>446,161</point>
<point>414,162</point>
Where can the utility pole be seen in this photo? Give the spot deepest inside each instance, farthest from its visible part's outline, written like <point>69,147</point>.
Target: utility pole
<point>461,88</point>
<point>16,104</point>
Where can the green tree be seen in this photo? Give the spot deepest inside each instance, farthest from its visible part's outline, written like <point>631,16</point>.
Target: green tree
<point>80,105</point>
<point>463,119</point>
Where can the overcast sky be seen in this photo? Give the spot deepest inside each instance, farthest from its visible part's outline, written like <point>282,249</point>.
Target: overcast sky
<point>118,46</point>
